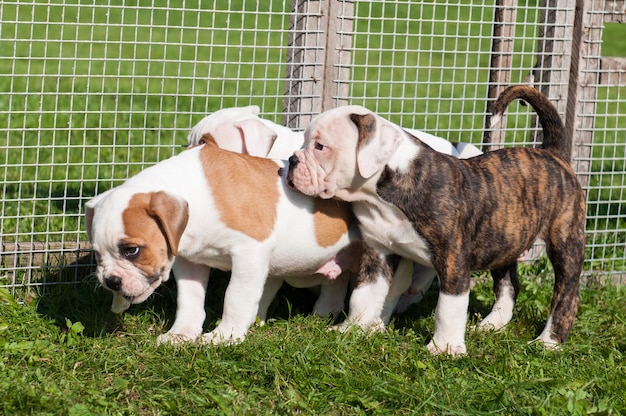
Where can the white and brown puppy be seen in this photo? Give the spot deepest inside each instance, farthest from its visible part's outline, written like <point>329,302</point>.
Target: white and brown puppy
<point>202,209</point>
<point>240,129</point>
<point>456,215</point>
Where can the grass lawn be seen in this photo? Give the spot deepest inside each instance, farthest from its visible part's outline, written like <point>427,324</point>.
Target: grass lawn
<point>65,353</point>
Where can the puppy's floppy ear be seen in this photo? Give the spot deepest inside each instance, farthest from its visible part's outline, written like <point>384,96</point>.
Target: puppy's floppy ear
<point>376,144</point>
<point>251,109</point>
<point>257,138</point>
<point>172,213</point>
<point>90,211</point>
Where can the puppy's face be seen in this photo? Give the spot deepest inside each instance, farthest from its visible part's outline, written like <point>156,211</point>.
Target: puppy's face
<point>343,148</point>
<point>135,237</point>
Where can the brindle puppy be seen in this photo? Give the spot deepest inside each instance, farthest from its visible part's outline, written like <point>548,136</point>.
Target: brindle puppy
<point>456,215</point>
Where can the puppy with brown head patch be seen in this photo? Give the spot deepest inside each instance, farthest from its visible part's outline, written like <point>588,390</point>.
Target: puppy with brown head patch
<point>211,208</point>
<point>456,215</point>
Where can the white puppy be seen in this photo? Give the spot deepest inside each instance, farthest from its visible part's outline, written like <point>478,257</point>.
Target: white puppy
<point>241,130</point>
<point>202,209</point>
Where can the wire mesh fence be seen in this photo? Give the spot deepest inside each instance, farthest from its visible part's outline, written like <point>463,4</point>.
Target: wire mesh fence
<point>91,93</point>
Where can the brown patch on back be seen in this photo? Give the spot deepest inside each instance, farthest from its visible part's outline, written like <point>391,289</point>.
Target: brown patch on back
<point>245,190</point>
<point>143,230</point>
<point>331,220</point>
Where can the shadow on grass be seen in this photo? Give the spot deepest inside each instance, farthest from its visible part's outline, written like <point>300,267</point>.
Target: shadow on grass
<point>86,301</point>
<point>73,293</point>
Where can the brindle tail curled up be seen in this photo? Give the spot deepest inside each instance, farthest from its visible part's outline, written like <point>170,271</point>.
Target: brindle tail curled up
<point>554,136</point>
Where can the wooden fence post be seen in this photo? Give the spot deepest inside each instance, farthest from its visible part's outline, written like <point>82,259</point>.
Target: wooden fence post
<point>500,68</point>
<point>583,88</point>
<point>552,74</point>
<point>318,60</point>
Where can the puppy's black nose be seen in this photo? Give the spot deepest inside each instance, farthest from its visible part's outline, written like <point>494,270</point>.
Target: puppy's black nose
<point>113,282</point>
<point>293,160</point>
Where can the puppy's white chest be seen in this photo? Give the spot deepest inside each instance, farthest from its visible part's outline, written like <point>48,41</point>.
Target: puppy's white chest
<point>385,228</point>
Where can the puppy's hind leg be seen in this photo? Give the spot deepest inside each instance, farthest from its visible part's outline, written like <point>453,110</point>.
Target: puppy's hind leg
<point>271,288</point>
<point>331,300</point>
<point>505,288</point>
<point>567,263</point>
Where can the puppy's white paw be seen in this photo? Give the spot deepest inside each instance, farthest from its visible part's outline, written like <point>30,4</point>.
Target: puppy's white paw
<point>174,339</point>
<point>217,337</point>
<point>343,327</point>
<point>446,348</point>
<point>376,326</point>
<point>547,341</point>
<point>492,322</point>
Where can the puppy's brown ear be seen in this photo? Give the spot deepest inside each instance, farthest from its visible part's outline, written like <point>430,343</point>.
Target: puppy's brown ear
<point>376,144</point>
<point>172,212</point>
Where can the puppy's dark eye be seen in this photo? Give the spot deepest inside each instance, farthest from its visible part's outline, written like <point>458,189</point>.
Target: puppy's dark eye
<point>319,146</point>
<point>130,252</point>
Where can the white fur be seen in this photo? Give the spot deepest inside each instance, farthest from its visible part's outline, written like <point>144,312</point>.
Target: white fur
<point>362,313</point>
<point>450,322</point>
<point>546,338</point>
<point>502,310</point>
<point>241,130</point>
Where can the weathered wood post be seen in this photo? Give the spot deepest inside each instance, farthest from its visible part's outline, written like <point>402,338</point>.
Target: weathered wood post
<point>318,60</point>
<point>552,73</point>
<point>500,67</point>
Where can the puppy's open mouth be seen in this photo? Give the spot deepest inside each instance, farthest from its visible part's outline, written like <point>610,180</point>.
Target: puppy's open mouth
<point>138,298</point>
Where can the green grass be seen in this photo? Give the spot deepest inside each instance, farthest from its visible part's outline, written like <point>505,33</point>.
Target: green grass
<point>65,353</point>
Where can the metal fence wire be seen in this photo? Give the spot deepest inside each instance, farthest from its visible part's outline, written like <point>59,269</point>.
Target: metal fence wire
<point>93,92</point>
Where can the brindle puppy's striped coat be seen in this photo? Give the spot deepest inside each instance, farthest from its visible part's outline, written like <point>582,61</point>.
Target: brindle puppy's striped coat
<point>456,215</point>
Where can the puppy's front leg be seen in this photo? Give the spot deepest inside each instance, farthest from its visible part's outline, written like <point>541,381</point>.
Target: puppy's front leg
<point>451,310</point>
<point>191,284</point>
<point>450,323</point>
<point>243,295</point>
<point>370,292</point>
